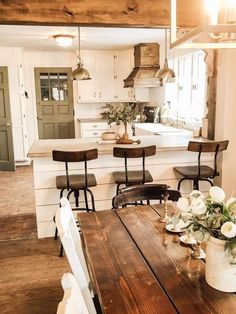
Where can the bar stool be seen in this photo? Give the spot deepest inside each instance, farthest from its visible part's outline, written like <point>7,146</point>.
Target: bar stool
<point>133,177</point>
<point>201,172</point>
<point>76,182</point>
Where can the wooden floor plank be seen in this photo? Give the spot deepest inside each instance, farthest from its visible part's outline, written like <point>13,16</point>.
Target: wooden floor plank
<point>30,276</point>
<point>126,284</point>
<point>182,276</point>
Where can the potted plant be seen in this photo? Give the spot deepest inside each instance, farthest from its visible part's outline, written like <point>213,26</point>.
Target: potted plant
<point>122,113</point>
<point>214,220</point>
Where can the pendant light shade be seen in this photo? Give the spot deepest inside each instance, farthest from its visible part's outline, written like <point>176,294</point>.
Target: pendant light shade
<point>166,74</point>
<point>80,73</point>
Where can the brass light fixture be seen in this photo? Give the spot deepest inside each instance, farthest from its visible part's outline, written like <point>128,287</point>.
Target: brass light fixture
<point>216,29</point>
<point>165,74</point>
<point>80,73</point>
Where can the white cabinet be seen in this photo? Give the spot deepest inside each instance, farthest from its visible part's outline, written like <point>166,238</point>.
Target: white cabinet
<point>105,76</point>
<point>122,67</point>
<point>89,129</point>
<point>187,96</point>
<point>198,85</point>
<point>87,88</point>
<point>107,69</point>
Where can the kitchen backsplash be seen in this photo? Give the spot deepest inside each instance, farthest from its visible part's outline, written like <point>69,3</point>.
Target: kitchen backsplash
<point>94,110</point>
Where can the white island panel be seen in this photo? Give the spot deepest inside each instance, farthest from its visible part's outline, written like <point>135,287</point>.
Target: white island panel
<point>161,167</point>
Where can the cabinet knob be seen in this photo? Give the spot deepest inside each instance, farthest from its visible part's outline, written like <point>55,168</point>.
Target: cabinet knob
<point>94,94</point>
<point>95,133</point>
<point>95,126</point>
<point>100,94</point>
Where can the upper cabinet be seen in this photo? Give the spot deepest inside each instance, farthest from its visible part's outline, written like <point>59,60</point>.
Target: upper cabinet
<point>108,69</point>
<point>187,96</point>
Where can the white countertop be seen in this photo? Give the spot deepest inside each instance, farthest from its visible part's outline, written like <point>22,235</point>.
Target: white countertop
<point>164,142</point>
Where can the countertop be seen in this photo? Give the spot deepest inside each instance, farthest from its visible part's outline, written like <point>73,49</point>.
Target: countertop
<point>164,142</point>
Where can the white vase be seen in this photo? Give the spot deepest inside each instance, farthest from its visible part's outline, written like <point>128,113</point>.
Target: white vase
<point>220,274</point>
<point>121,130</point>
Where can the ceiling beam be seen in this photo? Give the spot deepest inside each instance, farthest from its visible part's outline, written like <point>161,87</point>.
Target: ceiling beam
<point>119,13</point>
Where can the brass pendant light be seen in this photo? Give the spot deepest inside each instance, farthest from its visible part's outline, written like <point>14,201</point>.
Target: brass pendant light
<point>80,73</point>
<point>165,74</point>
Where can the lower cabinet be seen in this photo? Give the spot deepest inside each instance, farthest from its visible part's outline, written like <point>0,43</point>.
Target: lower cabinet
<point>92,129</point>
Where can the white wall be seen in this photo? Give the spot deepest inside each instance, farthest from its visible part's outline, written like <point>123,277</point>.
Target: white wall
<point>34,59</point>
<point>12,58</point>
<point>226,116</point>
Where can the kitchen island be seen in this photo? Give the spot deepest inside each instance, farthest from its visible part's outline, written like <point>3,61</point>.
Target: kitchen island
<point>171,151</point>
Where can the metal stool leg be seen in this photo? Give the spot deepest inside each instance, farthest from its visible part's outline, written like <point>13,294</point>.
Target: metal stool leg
<point>117,189</point>
<point>86,200</point>
<point>61,251</point>
<point>179,183</point>
<point>76,194</point>
<point>195,184</point>
<point>92,199</point>
<point>54,218</point>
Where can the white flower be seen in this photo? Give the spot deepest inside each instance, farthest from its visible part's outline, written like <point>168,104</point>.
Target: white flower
<point>217,194</point>
<point>183,204</point>
<point>196,194</point>
<point>228,229</point>
<point>232,204</point>
<point>230,201</point>
<point>198,206</point>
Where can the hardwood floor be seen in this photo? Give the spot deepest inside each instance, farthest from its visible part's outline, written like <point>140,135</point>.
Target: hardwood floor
<point>17,191</point>
<point>30,276</point>
<point>30,269</point>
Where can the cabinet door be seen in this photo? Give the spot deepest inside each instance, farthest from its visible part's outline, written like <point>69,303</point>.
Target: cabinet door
<point>87,89</point>
<point>185,85</point>
<point>142,94</point>
<point>105,76</point>
<point>198,85</point>
<point>122,67</point>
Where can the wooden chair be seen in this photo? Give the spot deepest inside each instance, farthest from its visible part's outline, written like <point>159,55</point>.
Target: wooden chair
<point>71,242</point>
<point>201,172</point>
<point>76,182</point>
<point>73,301</point>
<point>133,177</point>
<point>147,192</point>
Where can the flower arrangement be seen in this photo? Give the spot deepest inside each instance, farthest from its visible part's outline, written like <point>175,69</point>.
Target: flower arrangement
<point>122,113</point>
<point>211,216</point>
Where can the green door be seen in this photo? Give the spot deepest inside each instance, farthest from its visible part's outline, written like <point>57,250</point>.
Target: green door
<point>54,96</point>
<point>7,161</point>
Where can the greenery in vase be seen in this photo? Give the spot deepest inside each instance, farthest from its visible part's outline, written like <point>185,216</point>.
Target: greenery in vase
<point>211,216</point>
<point>122,113</point>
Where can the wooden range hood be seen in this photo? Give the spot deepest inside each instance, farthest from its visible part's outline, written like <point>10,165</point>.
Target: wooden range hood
<point>146,66</point>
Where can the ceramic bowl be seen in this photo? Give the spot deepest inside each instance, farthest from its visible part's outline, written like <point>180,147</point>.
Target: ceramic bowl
<point>108,136</point>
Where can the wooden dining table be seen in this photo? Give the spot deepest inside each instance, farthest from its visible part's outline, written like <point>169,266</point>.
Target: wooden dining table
<point>136,266</point>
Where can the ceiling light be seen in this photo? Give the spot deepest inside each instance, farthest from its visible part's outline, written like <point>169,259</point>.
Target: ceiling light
<point>217,28</point>
<point>64,40</point>
<point>166,74</point>
<point>80,73</point>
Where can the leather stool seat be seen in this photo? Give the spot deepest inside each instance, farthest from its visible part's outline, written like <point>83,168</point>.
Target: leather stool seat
<point>76,181</point>
<point>192,171</point>
<point>134,177</point>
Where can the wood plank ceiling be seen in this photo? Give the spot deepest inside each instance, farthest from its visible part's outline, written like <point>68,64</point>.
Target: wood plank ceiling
<point>139,13</point>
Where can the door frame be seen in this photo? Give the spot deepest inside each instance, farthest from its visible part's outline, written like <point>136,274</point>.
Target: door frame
<point>8,165</point>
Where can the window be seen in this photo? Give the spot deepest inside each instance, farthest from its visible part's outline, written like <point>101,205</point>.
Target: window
<point>53,86</point>
<point>187,97</point>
